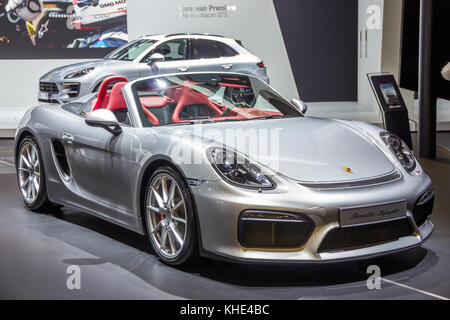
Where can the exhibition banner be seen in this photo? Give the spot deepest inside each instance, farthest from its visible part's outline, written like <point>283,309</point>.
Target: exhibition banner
<point>48,29</point>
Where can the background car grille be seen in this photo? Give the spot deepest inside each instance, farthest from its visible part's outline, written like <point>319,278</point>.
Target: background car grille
<point>366,235</point>
<point>49,87</point>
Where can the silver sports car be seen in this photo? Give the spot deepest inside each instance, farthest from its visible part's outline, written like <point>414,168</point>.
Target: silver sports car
<point>151,55</point>
<point>221,165</point>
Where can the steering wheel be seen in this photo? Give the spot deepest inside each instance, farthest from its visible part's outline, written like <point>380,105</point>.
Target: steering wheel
<point>242,97</point>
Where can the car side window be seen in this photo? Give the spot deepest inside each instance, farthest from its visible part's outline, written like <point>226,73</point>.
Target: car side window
<point>87,106</point>
<point>73,107</point>
<point>209,49</point>
<point>171,50</point>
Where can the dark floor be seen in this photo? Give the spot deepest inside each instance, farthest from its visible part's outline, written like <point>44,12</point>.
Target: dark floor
<point>36,250</point>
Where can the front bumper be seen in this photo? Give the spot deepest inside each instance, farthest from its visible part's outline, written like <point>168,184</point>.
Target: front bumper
<point>219,227</point>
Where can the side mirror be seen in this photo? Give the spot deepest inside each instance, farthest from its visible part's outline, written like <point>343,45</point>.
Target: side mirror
<point>156,57</point>
<point>105,119</point>
<point>300,105</point>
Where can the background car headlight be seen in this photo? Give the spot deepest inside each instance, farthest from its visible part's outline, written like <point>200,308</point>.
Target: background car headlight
<point>400,150</point>
<point>237,169</point>
<point>79,74</point>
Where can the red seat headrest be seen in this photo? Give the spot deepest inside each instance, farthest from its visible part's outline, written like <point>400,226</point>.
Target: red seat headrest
<point>102,99</point>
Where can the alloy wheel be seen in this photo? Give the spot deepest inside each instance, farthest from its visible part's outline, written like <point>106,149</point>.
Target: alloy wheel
<point>166,210</point>
<point>29,172</point>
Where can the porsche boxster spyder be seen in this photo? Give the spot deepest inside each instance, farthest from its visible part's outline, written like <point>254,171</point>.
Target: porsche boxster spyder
<point>221,165</point>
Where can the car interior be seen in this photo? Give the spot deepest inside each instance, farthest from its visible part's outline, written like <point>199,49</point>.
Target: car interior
<point>180,103</point>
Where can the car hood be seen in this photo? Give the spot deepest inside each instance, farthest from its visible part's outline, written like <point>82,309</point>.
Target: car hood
<point>308,149</point>
<point>59,73</point>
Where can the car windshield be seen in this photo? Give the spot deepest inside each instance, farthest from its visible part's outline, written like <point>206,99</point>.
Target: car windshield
<point>187,99</point>
<point>131,51</point>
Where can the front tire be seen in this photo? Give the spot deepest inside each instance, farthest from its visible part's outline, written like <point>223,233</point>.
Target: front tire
<point>31,175</point>
<point>170,217</point>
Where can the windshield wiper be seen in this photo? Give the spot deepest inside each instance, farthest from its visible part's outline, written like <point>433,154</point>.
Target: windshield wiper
<point>206,121</point>
<point>270,116</point>
<point>190,122</point>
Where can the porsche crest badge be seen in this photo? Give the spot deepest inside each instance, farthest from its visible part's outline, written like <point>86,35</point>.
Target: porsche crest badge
<point>348,170</point>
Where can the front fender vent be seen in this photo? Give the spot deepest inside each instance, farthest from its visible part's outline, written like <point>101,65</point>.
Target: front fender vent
<point>60,158</point>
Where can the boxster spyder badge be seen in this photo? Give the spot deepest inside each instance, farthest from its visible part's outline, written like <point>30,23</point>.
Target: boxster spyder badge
<point>199,169</point>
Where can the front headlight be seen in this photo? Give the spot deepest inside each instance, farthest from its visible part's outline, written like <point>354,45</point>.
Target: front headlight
<point>400,150</point>
<point>79,74</point>
<point>237,169</point>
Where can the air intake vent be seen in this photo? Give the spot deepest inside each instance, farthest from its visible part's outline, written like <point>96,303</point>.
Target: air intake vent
<point>71,88</point>
<point>267,229</point>
<point>60,158</point>
<point>424,207</point>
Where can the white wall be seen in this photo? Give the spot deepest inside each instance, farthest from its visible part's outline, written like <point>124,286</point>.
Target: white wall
<point>369,54</point>
<point>19,83</point>
<point>254,22</point>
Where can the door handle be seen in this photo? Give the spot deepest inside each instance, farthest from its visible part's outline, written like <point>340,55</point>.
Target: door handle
<point>366,43</point>
<point>183,69</point>
<point>67,137</point>
<point>360,44</point>
<point>227,66</point>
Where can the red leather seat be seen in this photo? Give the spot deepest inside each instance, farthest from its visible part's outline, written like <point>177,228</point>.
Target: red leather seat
<point>191,97</point>
<point>117,102</point>
<point>116,99</point>
<point>150,117</point>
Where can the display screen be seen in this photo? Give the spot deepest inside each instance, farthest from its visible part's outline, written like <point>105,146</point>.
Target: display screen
<point>387,92</point>
<point>390,95</point>
<point>40,29</point>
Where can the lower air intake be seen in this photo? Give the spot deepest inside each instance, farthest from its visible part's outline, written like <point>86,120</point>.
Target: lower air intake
<point>349,238</point>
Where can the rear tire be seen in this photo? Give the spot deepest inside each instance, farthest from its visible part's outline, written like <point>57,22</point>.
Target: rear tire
<point>31,175</point>
<point>170,217</point>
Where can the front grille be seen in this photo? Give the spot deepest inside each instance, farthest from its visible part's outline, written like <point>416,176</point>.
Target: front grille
<point>366,235</point>
<point>71,88</point>
<point>267,229</point>
<point>49,87</point>
<point>423,207</point>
